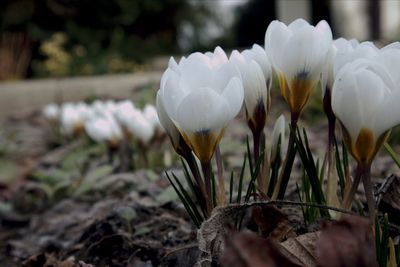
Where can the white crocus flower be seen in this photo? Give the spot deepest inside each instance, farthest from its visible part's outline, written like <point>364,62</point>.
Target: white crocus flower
<point>201,95</point>
<point>134,122</point>
<point>150,113</point>
<point>73,118</point>
<point>256,75</point>
<point>51,112</point>
<point>110,106</point>
<point>278,133</point>
<point>350,50</point>
<point>365,99</point>
<point>102,127</point>
<point>298,53</point>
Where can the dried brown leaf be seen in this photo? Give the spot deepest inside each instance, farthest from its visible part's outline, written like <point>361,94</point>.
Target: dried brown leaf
<point>272,222</point>
<point>47,260</point>
<point>302,248</point>
<point>248,250</point>
<point>346,243</point>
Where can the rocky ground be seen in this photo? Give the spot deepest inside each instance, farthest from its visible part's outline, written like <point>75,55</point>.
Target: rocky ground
<point>63,203</point>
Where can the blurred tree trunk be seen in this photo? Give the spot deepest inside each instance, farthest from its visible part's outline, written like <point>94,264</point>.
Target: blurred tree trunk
<point>15,55</point>
<point>320,10</point>
<point>374,16</point>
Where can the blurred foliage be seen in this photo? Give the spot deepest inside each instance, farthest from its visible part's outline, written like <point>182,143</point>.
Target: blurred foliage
<point>71,37</point>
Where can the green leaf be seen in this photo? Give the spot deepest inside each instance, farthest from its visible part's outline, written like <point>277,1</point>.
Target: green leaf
<point>392,154</point>
<point>339,170</point>
<point>241,177</point>
<point>92,178</point>
<point>290,156</point>
<point>311,170</point>
<point>254,175</point>
<point>231,188</point>
<point>184,202</point>
<point>384,241</point>
<point>249,154</point>
<point>188,199</point>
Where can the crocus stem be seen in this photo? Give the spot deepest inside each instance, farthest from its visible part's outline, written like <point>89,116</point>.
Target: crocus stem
<point>206,167</point>
<point>126,157</point>
<point>191,161</point>
<point>280,187</point>
<point>256,146</point>
<point>256,155</point>
<point>348,198</point>
<point>110,154</point>
<point>220,173</point>
<point>331,188</point>
<point>369,192</point>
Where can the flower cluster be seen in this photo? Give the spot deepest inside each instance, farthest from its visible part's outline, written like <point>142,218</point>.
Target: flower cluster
<point>106,121</point>
<point>201,93</point>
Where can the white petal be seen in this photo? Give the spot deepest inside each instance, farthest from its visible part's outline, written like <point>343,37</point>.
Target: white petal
<point>233,95</point>
<point>255,88</point>
<point>195,72</point>
<point>388,115</point>
<point>172,94</point>
<point>298,24</point>
<point>345,101</point>
<point>371,93</point>
<point>275,40</point>
<point>258,54</point>
<point>165,121</point>
<point>324,28</point>
<point>390,57</point>
<point>223,75</point>
<point>304,54</point>
<point>173,65</point>
<point>203,110</point>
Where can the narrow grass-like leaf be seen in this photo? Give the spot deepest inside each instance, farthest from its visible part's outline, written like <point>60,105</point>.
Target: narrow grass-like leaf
<point>275,168</point>
<point>345,157</point>
<point>195,191</point>
<point>339,170</point>
<point>251,187</point>
<point>188,178</point>
<point>290,156</point>
<point>231,188</point>
<point>384,240</point>
<point>241,177</point>
<point>311,169</point>
<point>188,199</point>
<point>213,190</point>
<point>302,208</point>
<point>249,154</point>
<point>392,254</point>
<point>392,154</point>
<point>184,202</point>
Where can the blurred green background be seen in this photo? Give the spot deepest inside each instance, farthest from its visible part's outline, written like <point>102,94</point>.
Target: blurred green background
<point>59,38</point>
